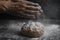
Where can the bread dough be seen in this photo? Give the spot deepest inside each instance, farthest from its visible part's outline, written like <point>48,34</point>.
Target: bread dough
<point>32,29</point>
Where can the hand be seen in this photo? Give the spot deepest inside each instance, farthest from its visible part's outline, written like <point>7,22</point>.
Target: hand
<point>23,8</point>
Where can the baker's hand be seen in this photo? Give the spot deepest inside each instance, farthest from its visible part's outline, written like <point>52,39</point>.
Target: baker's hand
<point>23,8</point>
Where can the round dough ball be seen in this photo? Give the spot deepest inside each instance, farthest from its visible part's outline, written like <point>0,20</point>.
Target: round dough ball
<point>32,29</point>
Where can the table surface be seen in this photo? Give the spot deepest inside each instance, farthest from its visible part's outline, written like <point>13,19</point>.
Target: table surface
<point>51,30</point>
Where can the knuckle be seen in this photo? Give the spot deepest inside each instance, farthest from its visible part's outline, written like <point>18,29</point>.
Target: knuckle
<point>24,6</point>
<point>37,12</point>
<point>40,7</point>
<point>37,4</point>
<point>41,11</point>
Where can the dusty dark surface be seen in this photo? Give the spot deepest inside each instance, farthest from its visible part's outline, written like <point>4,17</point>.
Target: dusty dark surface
<point>52,31</point>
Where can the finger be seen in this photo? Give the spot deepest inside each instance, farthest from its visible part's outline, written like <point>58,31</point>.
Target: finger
<point>31,3</point>
<point>41,11</point>
<point>32,8</point>
<point>23,14</point>
<point>19,3</point>
<point>27,7</point>
<point>35,13</point>
<point>31,12</point>
<point>36,10</point>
